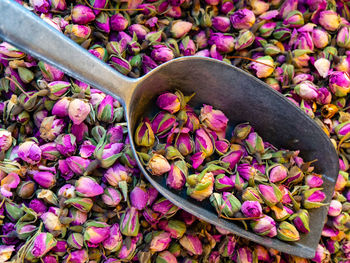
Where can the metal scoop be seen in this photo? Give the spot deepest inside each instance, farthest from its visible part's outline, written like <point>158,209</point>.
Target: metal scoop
<point>239,95</point>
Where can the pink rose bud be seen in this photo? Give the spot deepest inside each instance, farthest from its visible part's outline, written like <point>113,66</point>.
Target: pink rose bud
<point>162,53</point>
<point>192,244</point>
<point>41,245</point>
<point>169,102</point>
<point>163,122</point>
<point>320,255</point>
<point>251,209</point>
<point>10,51</point>
<point>264,226</point>
<point>263,71</point>
<point>51,127</point>
<point>158,165</point>
<point>102,22</point>
<point>5,140</point>
<point>343,37</point>
<point>243,254</point>
<point>166,257</point>
<point>232,158</point>
<point>105,109</point>
<point>320,38</point>
<point>77,164</point>
<point>201,39</point>
<point>244,39</point>
<point>60,108</point>
<point>175,228</point>
<point>262,253</point>
<point>51,221</point>
<point>332,246</point>
<point>67,191</point>
<point>139,197</point>
<point>82,14</point>
<point>111,197</point>
<point>301,220</point>
<point>214,119</point>
<point>313,198</point>
<point>242,19</point>
<point>180,28</point>
<point>49,151</point>
<point>246,171</point>
<point>129,222</point>
<point>330,20</point>
<point>87,187</point>
<point>97,4</point>
<point>342,180</point>
<point>307,90</point>
<point>339,83</point>
<point>270,194</point>
<point>255,143</point>
<point>314,180</point>
<point>140,31</point>
<point>116,174</point>
<point>267,29</point>
<point>164,207</point>
<point>45,179</point>
<point>223,183</point>
<point>58,5</point>
<point>50,259</point>
<point>77,256</point>
<point>76,240</point>
<point>66,144</point>
<point>294,19</point>
<point>187,47</point>
<point>160,241</point>
<point>287,232</point>
<point>78,33</point>
<point>322,65</point>
<point>184,144</point>
<point>57,89</point>
<point>177,175</point>
<point>96,232</point>
<point>29,152</point>
<point>78,217</point>
<point>277,173</point>
<point>120,64</point>
<point>118,22</point>
<point>287,7</point>
<point>40,6</point>
<point>227,7</point>
<point>50,73</point>
<point>335,208</point>
<point>38,206</point>
<point>114,242</point>
<point>204,142</point>
<point>342,129</point>
<point>78,110</point>
<point>221,23</point>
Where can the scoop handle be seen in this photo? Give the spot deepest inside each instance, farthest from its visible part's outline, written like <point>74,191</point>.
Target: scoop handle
<point>31,34</point>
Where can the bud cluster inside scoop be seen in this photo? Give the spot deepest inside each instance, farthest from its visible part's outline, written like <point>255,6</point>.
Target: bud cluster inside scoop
<point>245,179</point>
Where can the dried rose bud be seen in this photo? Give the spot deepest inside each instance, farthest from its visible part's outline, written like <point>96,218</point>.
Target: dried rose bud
<point>267,29</point>
<point>51,222</point>
<point>5,140</point>
<point>58,5</point>
<point>339,83</point>
<point>111,197</point>
<point>118,22</point>
<point>66,144</point>
<point>165,207</point>
<point>204,143</point>
<point>255,143</point>
<point>223,183</point>
<point>192,244</point>
<point>29,152</point>
<point>38,206</point>
<point>264,226</point>
<point>223,43</point>
<point>67,191</point>
<point>320,38</point>
<point>78,33</point>
<point>177,175</point>
<point>176,228</point>
<point>144,135</point>
<point>301,220</point>
<point>306,90</point>
<point>341,221</point>
<point>10,51</point>
<point>96,232</point>
<point>313,198</point>
<point>295,175</point>
<point>87,187</point>
<point>115,239</point>
<point>116,174</point>
<point>180,28</point>
<point>25,230</point>
<point>242,19</point>
<point>322,65</point>
<point>78,110</point>
<point>251,194</point>
<point>120,64</point>
<point>45,179</point>
<point>163,122</point>
<point>166,257</point>
<point>60,108</point>
<point>287,232</point>
<point>49,151</point>
<point>57,89</point>
<point>262,253</point>
<point>270,194</point>
<point>244,39</point>
<point>184,144</point>
<point>187,47</point>
<point>162,53</point>
<point>158,165</point>
<point>214,119</point>
<point>78,217</point>
<point>294,19</point>
<point>225,203</point>
<point>160,241</point>
<point>41,6</point>
<point>246,171</point>
<point>221,23</point>
<point>49,72</point>
<point>102,22</point>
<point>129,222</point>
<point>82,204</point>
<point>343,178</point>
<point>343,39</point>
<point>76,240</point>
<point>51,127</point>
<point>169,102</point>
<point>77,164</point>
<point>277,173</point>
<point>335,208</point>
<point>243,254</point>
<point>330,20</point>
<point>26,189</point>
<point>41,245</point>
<point>77,256</point>
<point>251,209</point>
<point>200,187</point>
<point>139,197</point>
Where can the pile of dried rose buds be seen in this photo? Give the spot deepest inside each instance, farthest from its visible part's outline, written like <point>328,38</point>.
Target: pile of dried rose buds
<point>243,176</point>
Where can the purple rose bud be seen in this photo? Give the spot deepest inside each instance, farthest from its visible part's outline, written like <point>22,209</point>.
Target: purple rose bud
<point>49,72</point>
<point>169,102</point>
<point>60,108</point>
<point>287,7</point>
<point>223,183</point>
<point>301,220</point>
<point>242,19</point>
<point>294,19</point>
<point>162,53</point>
<point>114,242</point>
<point>77,216</point>
<point>332,246</point>
<point>66,144</point>
<point>96,232</point>
<point>78,110</point>
<point>214,119</point>
<point>314,180</point>
<point>243,254</point>
<point>313,198</point>
<point>120,64</point>
<point>180,28</point>
<point>97,4</point>
<point>187,47</point>
<point>277,173</point>
<point>41,245</point>
<point>77,256</point>
<point>163,122</point>
<point>38,206</point>
<point>118,22</point>
<point>139,197</point>
<point>224,43</point>
<point>10,51</point>
<point>320,38</point>
<point>232,158</point>
<point>246,171</point>
<point>40,6</point>
<point>51,127</point>
<point>50,259</point>
<point>262,254</point>
<point>77,164</point>
<point>177,175</point>
<point>330,20</point>
<point>255,143</point>
<point>339,83</point>
<point>320,255</point>
<point>270,194</point>
<point>166,257</point>
<point>221,23</point>
<point>29,152</point>
<point>251,209</point>
<point>140,31</point>
<point>129,222</point>
<point>227,7</point>
<point>264,226</point>
<point>105,109</point>
<point>82,14</point>
<point>87,187</point>
<point>343,38</point>
<point>192,244</point>
<point>45,179</point>
<point>49,151</point>
<point>204,143</point>
<point>160,241</point>
<point>76,240</point>
<point>335,208</point>
<point>111,197</point>
<point>164,207</point>
<point>102,22</point>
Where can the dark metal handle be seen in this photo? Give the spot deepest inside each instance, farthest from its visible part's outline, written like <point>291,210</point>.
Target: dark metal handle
<point>31,34</point>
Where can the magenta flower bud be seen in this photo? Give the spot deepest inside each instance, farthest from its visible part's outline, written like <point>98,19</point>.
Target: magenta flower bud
<point>105,109</point>
<point>87,187</point>
<point>78,110</point>
<point>139,197</point>
<point>267,29</point>
<point>41,245</point>
<point>50,259</point>
<point>242,19</point>
<point>180,28</point>
<point>255,143</point>
<point>264,226</point>
<point>66,172</point>
<point>330,20</point>
<point>116,174</point>
<point>82,14</point>
<point>49,72</point>
<point>339,83</point>
<point>232,158</point>
<point>204,143</point>
<point>277,173</point>
<point>5,140</point>
<point>342,180</point>
<point>163,122</point>
<point>29,152</point>
<point>214,119</point>
<point>262,254</point>
<point>129,222</point>
<point>335,208</point>
<point>227,7</point>
<point>324,96</point>
<point>49,151</point>
<point>164,207</point>
<point>224,43</point>
<point>58,5</point>
<point>78,217</point>
<point>97,4</point>
<point>263,71</point>
<point>243,254</point>
<point>192,244</point>
<point>332,246</point>
<point>313,198</point>
<point>177,175</point>
<point>342,129</point>
<point>10,51</point>
<point>162,53</point>
<point>313,180</point>
<point>270,194</point>
<point>115,134</point>
<point>102,22</point>
<point>320,255</point>
<point>294,19</point>
<point>320,37</point>
<point>120,64</point>
<point>169,102</point>
<point>45,179</point>
<point>77,164</point>
<point>223,183</point>
<point>166,257</point>
<point>343,37</point>
<point>51,222</point>
<point>222,147</point>
<point>307,90</point>
<point>184,144</point>
<point>76,240</point>
<point>60,108</point>
<point>175,228</point>
<point>201,39</point>
<point>140,31</point>
<point>160,241</point>
<point>251,209</point>
<point>301,220</point>
<point>246,171</point>
<point>287,7</point>
<point>114,242</point>
<point>118,22</point>
<point>221,23</point>
<point>66,144</point>
<point>38,206</point>
<point>40,6</point>
<point>78,33</point>
<point>96,232</point>
<point>111,197</point>
<point>187,47</point>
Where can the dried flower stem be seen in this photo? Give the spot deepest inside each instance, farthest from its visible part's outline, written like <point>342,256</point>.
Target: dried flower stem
<point>112,9</point>
<point>18,86</point>
<point>250,59</point>
<point>240,218</point>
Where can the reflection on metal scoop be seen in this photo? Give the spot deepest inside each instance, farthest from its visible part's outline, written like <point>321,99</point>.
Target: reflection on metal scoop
<point>239,95</point>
